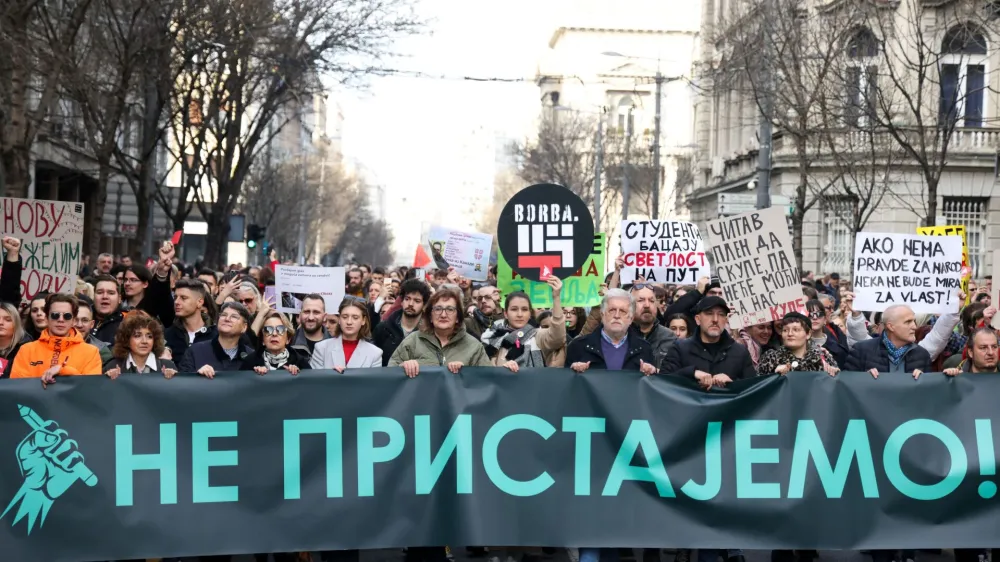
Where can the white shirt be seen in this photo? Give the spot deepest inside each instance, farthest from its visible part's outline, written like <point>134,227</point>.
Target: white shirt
<point>149,367</point>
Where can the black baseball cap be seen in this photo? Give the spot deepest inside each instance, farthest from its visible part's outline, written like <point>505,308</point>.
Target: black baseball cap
<point>709,303</point>
<point>795,315</point>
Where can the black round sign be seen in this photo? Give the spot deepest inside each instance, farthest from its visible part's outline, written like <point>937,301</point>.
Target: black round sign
<point>545,228</point>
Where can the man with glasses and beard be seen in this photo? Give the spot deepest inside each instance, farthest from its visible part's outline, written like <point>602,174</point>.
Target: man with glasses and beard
<point>647,322</point>
<point>60,350</point>
<point>389,333</point>
<point>484,311</point>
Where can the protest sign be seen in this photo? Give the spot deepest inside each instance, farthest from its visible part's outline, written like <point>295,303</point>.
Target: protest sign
<point>581,289</point>
<point>293,282</point>
<point>545,229</point>
<point>467,252</point>
<point>244,464</point>
<point>51,234</point>
<point>752,255</point>
<point>923,272</point>
<point>954,230</point>
<point>663,252</point>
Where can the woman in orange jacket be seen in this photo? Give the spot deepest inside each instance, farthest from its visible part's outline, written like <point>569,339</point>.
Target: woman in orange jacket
<point>60,350</point>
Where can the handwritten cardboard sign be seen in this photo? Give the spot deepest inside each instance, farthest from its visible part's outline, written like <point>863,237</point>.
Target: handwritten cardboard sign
<point>923,272</point>
<point>51,234</point>
<point>663,252</point>
<point>752,255</point>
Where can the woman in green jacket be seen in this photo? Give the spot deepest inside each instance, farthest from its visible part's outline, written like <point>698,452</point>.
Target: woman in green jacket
<point>441,340</point>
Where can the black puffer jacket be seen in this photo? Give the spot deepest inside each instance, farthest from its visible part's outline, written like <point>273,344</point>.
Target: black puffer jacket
<point>388,335</point>
<point>871,354</point>
<point>690,355</point>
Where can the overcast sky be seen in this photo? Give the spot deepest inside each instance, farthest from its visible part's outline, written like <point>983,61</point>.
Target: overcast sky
<point>402,129</point>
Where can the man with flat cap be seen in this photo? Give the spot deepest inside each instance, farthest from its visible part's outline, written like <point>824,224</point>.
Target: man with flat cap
<point>711,356</point>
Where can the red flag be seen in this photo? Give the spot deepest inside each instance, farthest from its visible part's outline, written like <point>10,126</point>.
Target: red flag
<point>421,259</point>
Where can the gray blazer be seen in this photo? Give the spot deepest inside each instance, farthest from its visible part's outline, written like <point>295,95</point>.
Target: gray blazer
<point>330,353</point>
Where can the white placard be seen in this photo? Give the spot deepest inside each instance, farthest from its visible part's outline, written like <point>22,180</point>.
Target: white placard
<point>51,234</point>
<point>923,272</point>
<point>663,252</point>
<point>467,252</point>
<point>753,258</point>
<point>292,282</point>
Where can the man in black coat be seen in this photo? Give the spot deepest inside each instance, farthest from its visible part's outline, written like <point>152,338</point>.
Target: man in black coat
<point>711,356</point>
<point>896,351</point>
<point>615,345</point>
<point>390,332</point>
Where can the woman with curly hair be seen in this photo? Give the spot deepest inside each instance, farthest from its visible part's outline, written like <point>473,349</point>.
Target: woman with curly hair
<point>797,352</point>
<point>138,346</point>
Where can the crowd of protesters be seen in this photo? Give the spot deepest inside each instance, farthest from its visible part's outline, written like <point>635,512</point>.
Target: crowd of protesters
<point>127,318</point>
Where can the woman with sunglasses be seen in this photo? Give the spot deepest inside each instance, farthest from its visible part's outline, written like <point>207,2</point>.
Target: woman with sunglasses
<point>349,348</point>
<point>823,335</point>
<point>138,346</point>
<point>275,350</point>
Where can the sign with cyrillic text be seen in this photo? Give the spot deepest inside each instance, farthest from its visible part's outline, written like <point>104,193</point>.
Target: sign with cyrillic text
<point>752,255</point>
<point>244,463</point>
<point>467,252</point>
<point>663,252</point>
<point>51,234</point>
<point>923,272</point>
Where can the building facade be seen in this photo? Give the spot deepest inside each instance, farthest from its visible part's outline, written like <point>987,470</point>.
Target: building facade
<point>958,117</point>
<point>602,64</point>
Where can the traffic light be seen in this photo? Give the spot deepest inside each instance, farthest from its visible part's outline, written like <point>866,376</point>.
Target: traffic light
<point>255,233</point>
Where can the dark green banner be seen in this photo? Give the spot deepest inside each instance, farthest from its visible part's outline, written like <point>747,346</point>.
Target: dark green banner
<point>94,469</point>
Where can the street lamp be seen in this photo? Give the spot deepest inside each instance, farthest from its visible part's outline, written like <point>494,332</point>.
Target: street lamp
<point>660,79</point>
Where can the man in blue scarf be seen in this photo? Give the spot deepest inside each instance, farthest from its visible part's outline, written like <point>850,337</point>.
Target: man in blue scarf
<point>896,351</point>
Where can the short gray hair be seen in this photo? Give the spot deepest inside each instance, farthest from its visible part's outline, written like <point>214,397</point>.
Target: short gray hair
<point>827,297</point>
<point>618,294</point>
<point>106,255</point>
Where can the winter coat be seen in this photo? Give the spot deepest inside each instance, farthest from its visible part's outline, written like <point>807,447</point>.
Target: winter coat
<point>425,348</point>
<point>588,349</point>
<point>691,354</point>
<point>211,353</point>
<point>36,357</point>
<point>388,335</point>
<point>7,362</point>
<point>542,347</point>
<point>330,353</point>
<point>812,362</point>
<point>161,364</point>
<point>296,356</point>
<point>872,354</point>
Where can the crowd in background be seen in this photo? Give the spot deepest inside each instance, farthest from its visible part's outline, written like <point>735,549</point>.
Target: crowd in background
<point>126,318</point>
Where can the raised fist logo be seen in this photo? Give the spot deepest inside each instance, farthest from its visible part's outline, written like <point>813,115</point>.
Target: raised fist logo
<point>50,463</point>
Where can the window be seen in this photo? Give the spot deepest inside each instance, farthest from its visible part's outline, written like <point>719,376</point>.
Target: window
<point>862,77</point>
<point>963,77</point>
<point>626,115</point>
<point>972,213</point>
<point>838,234</point>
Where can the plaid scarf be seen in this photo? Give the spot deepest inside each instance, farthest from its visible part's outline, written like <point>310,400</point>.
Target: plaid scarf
<point>895,353</point>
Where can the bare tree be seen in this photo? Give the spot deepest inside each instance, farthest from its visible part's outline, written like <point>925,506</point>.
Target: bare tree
<point>929,82</point>
<point>250,67</point>
<point>781,54</point>
<point>364,238</point>
<point>35,37</point>
<point>563,153</point>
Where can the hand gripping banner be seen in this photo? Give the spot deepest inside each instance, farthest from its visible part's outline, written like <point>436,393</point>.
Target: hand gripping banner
<point>142,467</point>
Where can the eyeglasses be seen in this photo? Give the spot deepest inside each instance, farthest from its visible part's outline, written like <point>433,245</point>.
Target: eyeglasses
<point>640,286</point>
<point>247,301</point>
<point>67,316</point>
<point>130,280</point>
<point>446,310</point>
<point>230,317</point>
<point>817,315</point>
<point>275,330</point>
